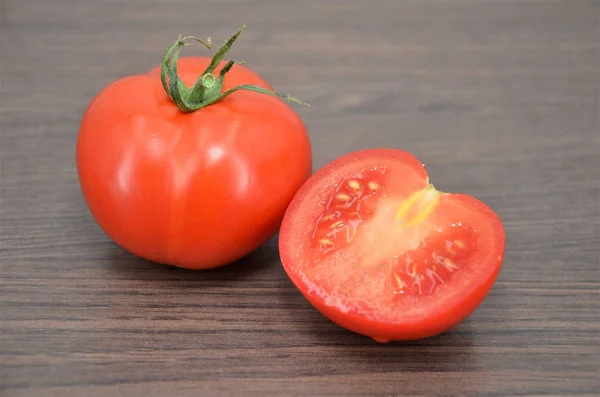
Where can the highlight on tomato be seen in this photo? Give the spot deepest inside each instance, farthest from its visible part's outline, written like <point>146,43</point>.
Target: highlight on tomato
<point>378,250</point>
<point>194,163</point>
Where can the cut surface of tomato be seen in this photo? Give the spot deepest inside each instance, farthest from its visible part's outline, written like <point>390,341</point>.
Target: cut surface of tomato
<point>378,250</point>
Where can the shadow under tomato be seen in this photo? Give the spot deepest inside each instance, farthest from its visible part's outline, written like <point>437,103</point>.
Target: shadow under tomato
<point>127,265</point>
<point>450,351</point>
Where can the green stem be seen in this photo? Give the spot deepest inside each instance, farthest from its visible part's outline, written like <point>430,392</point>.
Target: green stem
<point>207,89</point>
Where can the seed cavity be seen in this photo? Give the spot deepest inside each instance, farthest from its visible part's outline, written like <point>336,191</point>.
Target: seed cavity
<point>351,204</point>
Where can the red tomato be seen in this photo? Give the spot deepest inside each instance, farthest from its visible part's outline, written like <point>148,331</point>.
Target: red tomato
<point>375,248</point>
<point>195,189</point>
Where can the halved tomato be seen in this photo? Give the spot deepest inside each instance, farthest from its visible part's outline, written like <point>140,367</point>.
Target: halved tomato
<point>378,250</point>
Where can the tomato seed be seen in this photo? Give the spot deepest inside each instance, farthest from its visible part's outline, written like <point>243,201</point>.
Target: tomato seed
<point>374,186</point>
<point>401,285</point>
<point>343,197</point>
<point>354,184</point>
<point>326,242</point>
<point>337,224</point>
<point>448,264</point>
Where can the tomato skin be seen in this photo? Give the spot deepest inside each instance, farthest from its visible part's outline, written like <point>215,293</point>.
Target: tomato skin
<point>196,190</point>
<point>436,317</point>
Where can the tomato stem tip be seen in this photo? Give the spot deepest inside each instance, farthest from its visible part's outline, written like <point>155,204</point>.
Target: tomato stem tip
<point>417,207</point>
<point>208,88</point>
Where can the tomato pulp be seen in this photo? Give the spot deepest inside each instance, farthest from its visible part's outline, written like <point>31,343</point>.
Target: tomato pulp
<point>378,250</point>
<point>188,186</point>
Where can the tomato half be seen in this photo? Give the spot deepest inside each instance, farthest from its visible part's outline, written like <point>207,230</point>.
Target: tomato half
<point>195,189</point>
<point>378,250</point>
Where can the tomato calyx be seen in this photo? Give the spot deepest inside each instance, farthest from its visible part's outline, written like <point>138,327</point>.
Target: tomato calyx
<point>207,88</point>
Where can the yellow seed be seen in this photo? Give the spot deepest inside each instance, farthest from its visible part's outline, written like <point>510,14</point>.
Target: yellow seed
<point>401,284</point>
<point>354,184</point>
<point>373,185</point>
<point>326,241</point>
<point>459,243</point>
<point>448,264</point>
<point>413,272</point>
<point>327,217</point>
<point>450,248</point>
<point>337,224</point>
<point>343,197</point>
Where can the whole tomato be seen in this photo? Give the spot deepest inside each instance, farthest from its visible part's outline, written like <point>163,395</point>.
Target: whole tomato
<point>194,163</point>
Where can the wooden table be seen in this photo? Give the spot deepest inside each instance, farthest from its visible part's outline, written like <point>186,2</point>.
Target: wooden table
<point>498,98</point>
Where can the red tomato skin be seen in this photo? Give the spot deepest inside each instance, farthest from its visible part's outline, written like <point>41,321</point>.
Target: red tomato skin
<point>195,190</point>
<point>455,311</point>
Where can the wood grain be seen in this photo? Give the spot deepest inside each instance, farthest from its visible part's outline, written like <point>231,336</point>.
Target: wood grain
<point>498,98</point>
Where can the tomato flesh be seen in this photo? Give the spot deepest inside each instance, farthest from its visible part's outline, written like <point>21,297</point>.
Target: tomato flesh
<point>374,247</point>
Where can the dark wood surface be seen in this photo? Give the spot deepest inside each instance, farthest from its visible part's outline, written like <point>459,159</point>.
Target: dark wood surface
<point>498,98</point>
